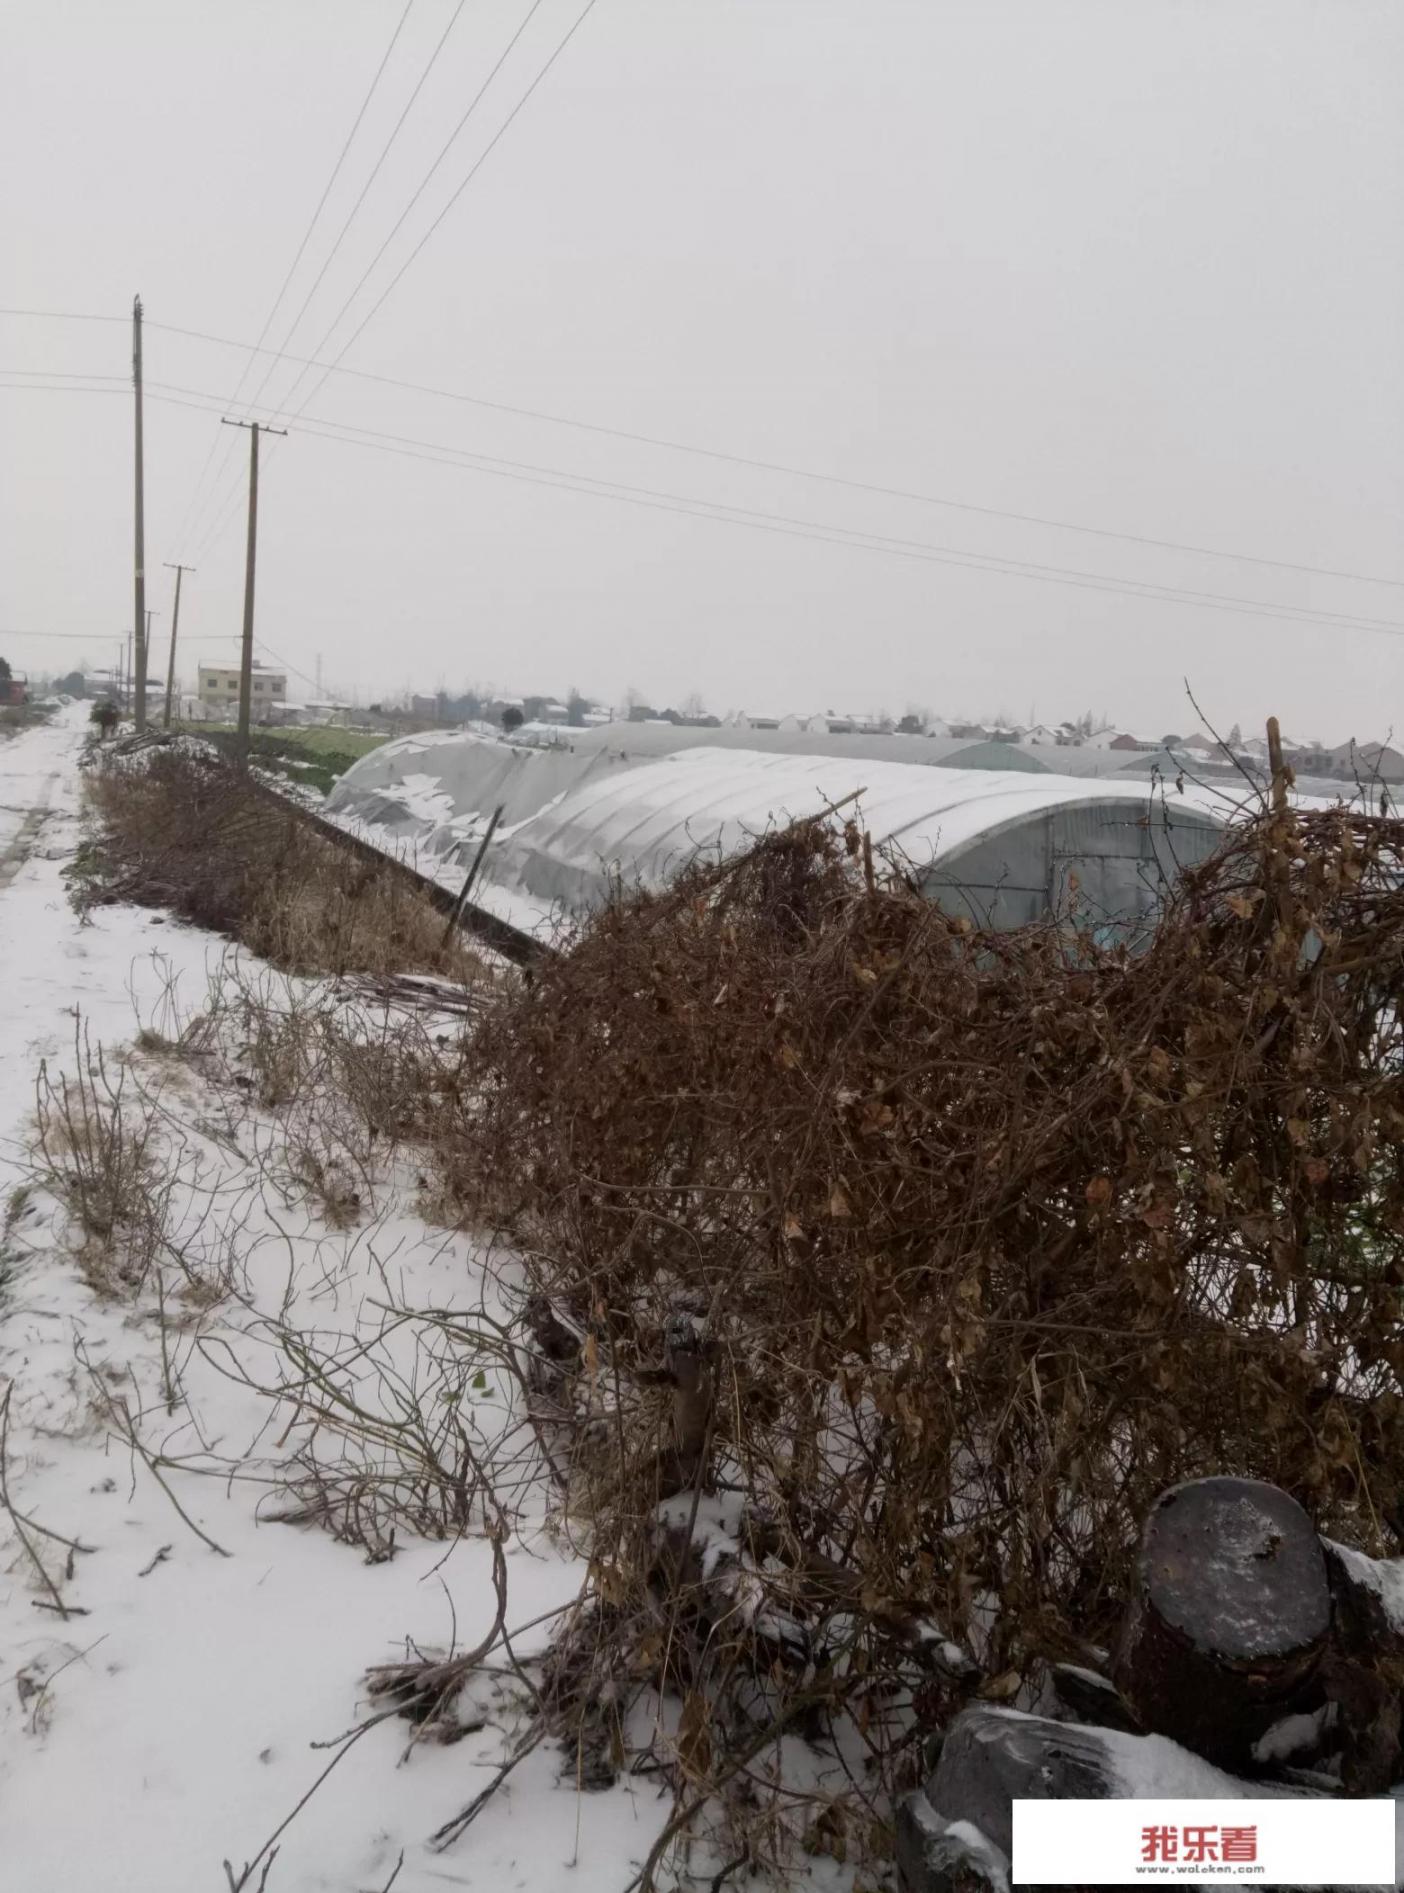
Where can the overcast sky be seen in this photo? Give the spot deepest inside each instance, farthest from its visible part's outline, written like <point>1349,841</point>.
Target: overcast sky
<point>1135,265</point>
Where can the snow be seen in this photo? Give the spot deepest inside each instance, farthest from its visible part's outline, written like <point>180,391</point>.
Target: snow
<point>981,1852</point>
<point>1290,1736</point>
<point>172,1724</point>
<point>576,814</point>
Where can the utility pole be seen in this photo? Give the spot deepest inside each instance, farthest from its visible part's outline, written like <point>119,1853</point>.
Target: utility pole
<point>139,620</point>
<point>127,676</point>
<point>175,626</point>
<point>144,645</point>
<point>246,655</point>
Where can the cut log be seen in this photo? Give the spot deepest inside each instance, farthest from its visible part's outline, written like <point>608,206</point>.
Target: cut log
<point>940,1856</point>
<point>1364,1671</point>
<point>1081,1695</point>
<point>962,1824</point>
<point>1367,1596</point>
<point>1229,1618</point>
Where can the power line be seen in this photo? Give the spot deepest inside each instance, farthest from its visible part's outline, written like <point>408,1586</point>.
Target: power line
<point>54,374</point>
<point>326,191</point>
<point>40,387</point>
<point>808,473</point>
<point>473,171</point>
<point>287,665</point>
<point>301,248</point>
<point>74,315</point>
<point>87,637</point>
<point>794,526</point>
<point>423,185</point>
<point>744,460</point>
<point>278,354</point>
<point>729,513</point>
<point>375,172</point>
<point>226,508</point>
<point>222,522</point>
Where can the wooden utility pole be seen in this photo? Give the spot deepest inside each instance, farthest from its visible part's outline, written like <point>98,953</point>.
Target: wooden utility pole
<point>145,644</point>
<point>175,626</point>
<point>246,654</point>
<point>139,620</point>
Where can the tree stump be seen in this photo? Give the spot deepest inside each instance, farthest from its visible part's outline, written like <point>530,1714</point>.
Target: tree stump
<point>1230,1615</point>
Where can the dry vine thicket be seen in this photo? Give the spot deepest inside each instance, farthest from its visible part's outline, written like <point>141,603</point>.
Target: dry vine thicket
<point>184,829</point>
<point>908,1265</point>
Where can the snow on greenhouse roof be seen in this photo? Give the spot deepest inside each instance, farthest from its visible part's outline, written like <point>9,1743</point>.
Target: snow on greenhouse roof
<point>606,805</point>
<point>645,823</point>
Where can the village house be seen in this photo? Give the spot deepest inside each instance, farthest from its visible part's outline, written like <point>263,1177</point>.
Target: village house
<point>219,691</point>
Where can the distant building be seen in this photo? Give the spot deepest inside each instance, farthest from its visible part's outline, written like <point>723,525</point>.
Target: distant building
<point>1119,739</point>
<point>219,691</point>
<point>336,715</point>
<point>830,723</point>
<point>1371,762</point>
<point>13,692</point>
<point>1037,733</point>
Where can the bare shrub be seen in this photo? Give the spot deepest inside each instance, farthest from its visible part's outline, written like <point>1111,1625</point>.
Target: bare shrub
<point>96,1132</point>
<point>183,829</point>
<point>403,1425</point>
<point>350,1076</point>
<point>913,1262</point>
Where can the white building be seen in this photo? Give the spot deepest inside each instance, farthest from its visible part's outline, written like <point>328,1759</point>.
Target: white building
<point>219,691</point>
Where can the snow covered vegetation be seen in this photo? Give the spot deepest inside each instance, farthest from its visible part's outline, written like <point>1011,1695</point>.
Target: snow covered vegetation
<point>613,1425</point>
<point>261,1429</point>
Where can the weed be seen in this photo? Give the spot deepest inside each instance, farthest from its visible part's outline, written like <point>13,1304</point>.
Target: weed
<point>182,829</point>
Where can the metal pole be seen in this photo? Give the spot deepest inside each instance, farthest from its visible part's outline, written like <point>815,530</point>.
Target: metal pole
<point>456,911</point>
<point>139,620</point>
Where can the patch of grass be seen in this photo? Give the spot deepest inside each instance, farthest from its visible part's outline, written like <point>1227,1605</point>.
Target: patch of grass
<point>320,741</point>
<point>316,758</point>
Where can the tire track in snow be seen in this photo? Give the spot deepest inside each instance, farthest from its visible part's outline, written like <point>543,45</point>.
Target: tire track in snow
<point>25,836</point>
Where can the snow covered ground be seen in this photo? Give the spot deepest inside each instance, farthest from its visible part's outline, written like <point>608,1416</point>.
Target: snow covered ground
<point>169,1721</point>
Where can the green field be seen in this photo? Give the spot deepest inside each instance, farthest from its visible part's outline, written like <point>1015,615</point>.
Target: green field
<point>323,741</point>
<point>317,756</point>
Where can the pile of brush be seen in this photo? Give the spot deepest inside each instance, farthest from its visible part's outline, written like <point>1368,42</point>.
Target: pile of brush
<point>901,1267</point>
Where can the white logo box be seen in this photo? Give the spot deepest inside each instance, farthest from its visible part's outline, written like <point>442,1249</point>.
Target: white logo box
<point>1123,1843</point>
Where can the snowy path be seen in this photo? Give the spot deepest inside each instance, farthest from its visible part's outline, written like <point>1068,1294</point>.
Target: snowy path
<point>169,1725</point>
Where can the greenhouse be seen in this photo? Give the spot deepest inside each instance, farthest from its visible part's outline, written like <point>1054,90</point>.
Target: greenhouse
<point>1002,847</point>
